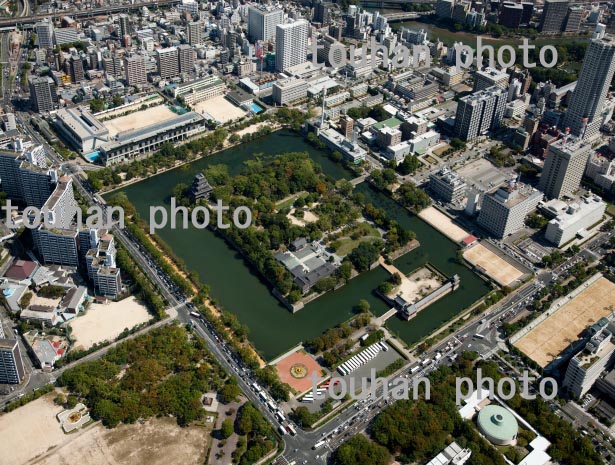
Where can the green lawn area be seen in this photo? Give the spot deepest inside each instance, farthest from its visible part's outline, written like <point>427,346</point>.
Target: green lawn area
<point>288,202</point>
<point>347,243</point>
<point>610,209</point>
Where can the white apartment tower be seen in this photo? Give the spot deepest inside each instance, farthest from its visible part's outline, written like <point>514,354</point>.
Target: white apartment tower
<point>291,44</point>
<point>564,167</point>
<point>262,23</point>
<point>584,112</point>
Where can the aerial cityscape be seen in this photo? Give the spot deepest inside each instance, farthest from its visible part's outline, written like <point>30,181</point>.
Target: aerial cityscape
<point>354,232</point>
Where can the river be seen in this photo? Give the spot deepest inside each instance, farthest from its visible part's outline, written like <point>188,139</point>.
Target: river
<point>273,329</point>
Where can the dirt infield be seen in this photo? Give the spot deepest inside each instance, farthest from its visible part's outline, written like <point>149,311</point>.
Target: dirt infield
<point>543,343</point>
<point>155,442</point>
<point>443,223</point>
<point>105,322</point>
<point>498,269</point>
<point>299,361</point>
<point>139,119</point>
<point>219,109</point>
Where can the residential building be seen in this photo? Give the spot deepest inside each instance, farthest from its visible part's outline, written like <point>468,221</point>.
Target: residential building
<point>136,72</point>
<point>576,220</point>
<point>587,366</point>
<point>168,62</point>
<point>347,126</point>
<point>43,93</point>
<point>24,180</point>
<point>444,8</point>
<point>66,35</point>
<point>286,91</point>
<point>490,77</point>
<point>262,22</point>
<point>195,33</point>
<point>74,67</point>
<point>511,14</point>
<point>186,59</point>
<point>59,209</point>
<point>56,245</point>
<point>291,44</point>
<point>124,23</point>
<point>447,185</point>
<point>573,19</point>
<point>322,12</point>
<point>11,364</point>
<point>479,113</point>
<point>553,16</point>
<point>564,167</point>
<point>584,114</point>
<point>503,212</point>
<point>601,171</point>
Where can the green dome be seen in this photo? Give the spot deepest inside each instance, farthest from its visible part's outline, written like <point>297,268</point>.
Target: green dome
<point>498,424</point>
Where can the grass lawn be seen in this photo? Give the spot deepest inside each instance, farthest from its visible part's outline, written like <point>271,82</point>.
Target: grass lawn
<point>441,150</point>
<point>347,243</point>
<point>289,201</point>
<point>610,209</point>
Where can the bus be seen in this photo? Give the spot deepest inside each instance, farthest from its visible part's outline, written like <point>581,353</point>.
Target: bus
<point>318,445</point>
<point>291,429</point>
<point>271,406</point>
<point>415,369</point>
<point>426,362</point>
<point>280,417</point>
<point>479,336</point>
<point>195,314</point>
<point>282,430</point>
<point>262,396</point>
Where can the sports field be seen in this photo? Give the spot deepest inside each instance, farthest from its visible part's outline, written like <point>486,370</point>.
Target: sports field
<point>220,109</point>
<point>498,269</point>
<point>543,343</point>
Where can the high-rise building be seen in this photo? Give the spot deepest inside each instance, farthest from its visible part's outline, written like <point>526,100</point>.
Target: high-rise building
<point>587,366</point>
<point>136,72</point>
<point>573,18</point>
<point>60,206</point>
<point>168,62</point>
<point>584,114</point>
<point>11,365</point>
<point>479,112</point>
<point>564,167</point>
<point>43,93</point>
<point>262,22</point>
<point>291,44</point>
<point>25,181</point>
<point>195,33</point>
<point>554,16</point>
<point>503,212</point>
<point>322,13</point>
<point>490,77</point>
<point>444,8</point>
<point>186,59</point>
<point>58,246</point>
<point>75,69</point>
<point>511,14</point>
<point>125,28</point>
<point>112,65</point>
<point>460,11</point>
<point>44,34</point>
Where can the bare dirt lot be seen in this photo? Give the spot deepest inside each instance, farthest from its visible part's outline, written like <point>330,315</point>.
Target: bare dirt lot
<point>104,322</point>
<point>443,223</point>
<point>139,119</point>
<point>30,431</point>
<point>543,343</point>
<point>219,109</point>
<point>503,272</point>
<point>155,442</point>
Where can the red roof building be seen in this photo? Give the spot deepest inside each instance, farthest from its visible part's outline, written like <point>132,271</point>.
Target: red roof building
<point>20,270</point>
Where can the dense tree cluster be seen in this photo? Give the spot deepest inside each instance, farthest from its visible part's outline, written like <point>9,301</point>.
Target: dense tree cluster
<point>359,450</point>
<point>251,423</point>
<point>333,336</point>
<point>410,164</point>
<point>413,197</point>
<point>162,372</point>
<point>365,254</point>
